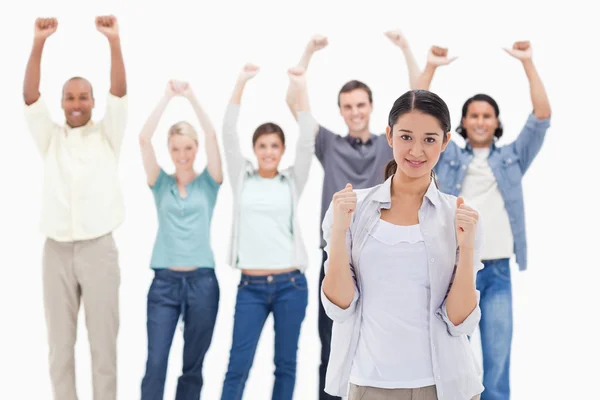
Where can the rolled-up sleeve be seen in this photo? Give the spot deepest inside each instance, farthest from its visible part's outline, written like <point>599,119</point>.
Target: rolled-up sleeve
<point>467,327</point>
<point>114,122</point>
<point>336,313</point>
<point>40,124</point>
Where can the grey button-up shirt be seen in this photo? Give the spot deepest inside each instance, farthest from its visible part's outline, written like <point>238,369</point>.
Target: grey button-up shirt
<point>456,372</point>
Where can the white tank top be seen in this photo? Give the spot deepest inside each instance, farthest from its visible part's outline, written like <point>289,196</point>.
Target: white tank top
<point>394,349</point>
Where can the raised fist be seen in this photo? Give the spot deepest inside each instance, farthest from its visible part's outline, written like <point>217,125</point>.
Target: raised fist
<point>316,43</point>
<point>45,27</point>
<point>438,56</point>
<point>344,205</point>
<point>398,38</point>
<point>107,25</point>
<point>466,224</point>
<point>297,76</point>
<point>521,50</point>
<point>178,88</point>
<point>248,72</point>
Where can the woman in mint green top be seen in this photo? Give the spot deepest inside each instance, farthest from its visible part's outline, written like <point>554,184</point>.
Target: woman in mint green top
<point>266,243</point>
<point>184,283</point>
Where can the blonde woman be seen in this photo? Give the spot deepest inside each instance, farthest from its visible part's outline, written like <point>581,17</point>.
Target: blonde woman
<point>184,283</point>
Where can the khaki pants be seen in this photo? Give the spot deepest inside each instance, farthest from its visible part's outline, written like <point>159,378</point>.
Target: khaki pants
<point>72,271</point>
<point>371,393</point>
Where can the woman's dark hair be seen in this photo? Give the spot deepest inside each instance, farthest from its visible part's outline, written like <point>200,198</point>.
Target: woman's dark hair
<point>266,129</point>
<point>423,101</point>
<point>354,85</point>
<point>480,97</point>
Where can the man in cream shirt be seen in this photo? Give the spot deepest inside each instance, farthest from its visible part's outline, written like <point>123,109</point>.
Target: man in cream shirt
<point>81,206</point>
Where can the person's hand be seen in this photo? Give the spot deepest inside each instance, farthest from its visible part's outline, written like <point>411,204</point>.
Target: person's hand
<point>521,50</point>
<point>107,25</point>
<point>438,56</point>
<point>176,88</point>
<point>316,43</point>
<point>44,27</point>
<point>398,38</point>
<point>248,72</point>
<point>297,76</point>
<point>466,224</point>
<point>344,205</point>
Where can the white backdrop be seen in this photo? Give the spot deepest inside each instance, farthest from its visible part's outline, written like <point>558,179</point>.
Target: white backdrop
<point>555,347</point>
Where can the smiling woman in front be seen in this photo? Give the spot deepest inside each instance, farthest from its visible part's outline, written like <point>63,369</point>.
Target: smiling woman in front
<point>400,275</point>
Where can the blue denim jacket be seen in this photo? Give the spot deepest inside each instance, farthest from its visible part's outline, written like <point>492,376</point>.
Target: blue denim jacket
<point>508,163</point>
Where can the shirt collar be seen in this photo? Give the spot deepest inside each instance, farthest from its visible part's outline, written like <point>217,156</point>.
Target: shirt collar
<point>469,148</point>
<point>383,194</point>
<point>89,124</point>
<point>357,142</point>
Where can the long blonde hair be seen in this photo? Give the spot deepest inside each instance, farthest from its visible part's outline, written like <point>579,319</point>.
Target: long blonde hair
<point>183,128</point>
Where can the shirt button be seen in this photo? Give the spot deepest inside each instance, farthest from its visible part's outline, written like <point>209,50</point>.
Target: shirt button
<point>464,167</point>
<point>432,260</point>
<point>452,163</point>
<point>509,160</point>
<point>458,185</point>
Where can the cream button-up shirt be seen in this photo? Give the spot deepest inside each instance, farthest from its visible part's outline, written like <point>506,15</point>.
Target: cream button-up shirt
<point>81,197</point>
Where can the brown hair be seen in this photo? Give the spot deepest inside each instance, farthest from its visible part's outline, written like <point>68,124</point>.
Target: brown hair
<point>354,85</point>
<point>267,129</point>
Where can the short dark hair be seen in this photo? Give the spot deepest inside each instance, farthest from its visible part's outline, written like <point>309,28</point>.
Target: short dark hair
<point>79,78</point>
<point>354,85</point>
<point>480,97</point>
<point>423,101</point>
<point>266,129</point>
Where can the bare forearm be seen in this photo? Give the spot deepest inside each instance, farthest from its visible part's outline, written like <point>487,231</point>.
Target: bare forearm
<point>118,80</point>
<point>152,121</point>
<point>292,95</point>
<point>203,118</point>
<point>338,284</point>
<point>305,59</point>
<point>31,84</point>
<point>414,71</point>
<point>213,156</point>
<point>462,299</point>
<point>539,98</point>
<point>425,78</point>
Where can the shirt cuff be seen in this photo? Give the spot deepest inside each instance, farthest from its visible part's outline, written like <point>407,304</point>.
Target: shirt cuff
<point>112,98</point>
<point>467,327</point>
<point>338,314</point>
<point>537,123</point>
<point>35,108</point>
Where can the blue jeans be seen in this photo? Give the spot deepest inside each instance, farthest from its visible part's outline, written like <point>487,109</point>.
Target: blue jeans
<point>493,283</point>
<point>195,296</point>
<point>286,296</point>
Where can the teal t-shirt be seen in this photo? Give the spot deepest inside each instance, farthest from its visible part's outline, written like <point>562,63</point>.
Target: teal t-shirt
<point>183,237</point>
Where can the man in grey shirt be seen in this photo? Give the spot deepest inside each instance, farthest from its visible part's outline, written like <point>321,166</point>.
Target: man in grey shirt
<point>358,158</point>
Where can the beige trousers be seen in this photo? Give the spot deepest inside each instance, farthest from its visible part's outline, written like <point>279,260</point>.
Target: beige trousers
<point>85,270</point>
<point>371,393</point>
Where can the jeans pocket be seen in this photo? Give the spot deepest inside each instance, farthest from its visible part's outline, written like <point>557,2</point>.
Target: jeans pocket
<point>243,283</point>
<point>502,270</point>
<point>299,282</point>
<point>159,290</point>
